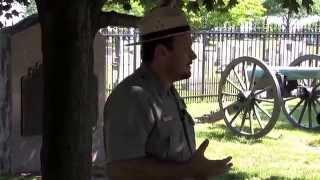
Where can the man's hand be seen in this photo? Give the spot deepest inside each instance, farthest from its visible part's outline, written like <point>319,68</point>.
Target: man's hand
<point>204,168</point>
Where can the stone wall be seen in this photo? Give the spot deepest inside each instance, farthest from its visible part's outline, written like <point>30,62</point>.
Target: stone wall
<point>5,109</point>
<point>20,152</point>
<point>25,53</point>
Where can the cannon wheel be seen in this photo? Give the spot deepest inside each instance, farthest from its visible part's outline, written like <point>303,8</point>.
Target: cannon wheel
<point>251,106</point>
<point>302,104</point>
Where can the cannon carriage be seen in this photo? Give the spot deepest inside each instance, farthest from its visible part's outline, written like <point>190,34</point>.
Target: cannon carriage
<point>252,95</point>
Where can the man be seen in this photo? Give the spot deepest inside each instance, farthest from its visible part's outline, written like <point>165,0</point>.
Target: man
<point>148,132</point>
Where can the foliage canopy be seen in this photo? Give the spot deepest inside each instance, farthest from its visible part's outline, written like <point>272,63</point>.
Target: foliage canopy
<point>216,11</point>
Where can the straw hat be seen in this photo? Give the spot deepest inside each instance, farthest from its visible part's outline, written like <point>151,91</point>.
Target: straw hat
<point>162,22</point>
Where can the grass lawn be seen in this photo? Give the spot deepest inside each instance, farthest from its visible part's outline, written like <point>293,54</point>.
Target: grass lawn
<point>285,153</point>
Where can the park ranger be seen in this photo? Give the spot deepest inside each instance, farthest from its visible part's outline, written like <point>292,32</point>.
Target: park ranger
<point>148,132</point>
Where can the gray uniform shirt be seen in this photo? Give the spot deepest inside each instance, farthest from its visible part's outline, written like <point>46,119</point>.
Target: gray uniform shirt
<point>142,119</point>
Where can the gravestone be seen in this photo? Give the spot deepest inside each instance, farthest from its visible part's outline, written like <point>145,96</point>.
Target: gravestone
<point>31,101</point>
<point>21,94</point>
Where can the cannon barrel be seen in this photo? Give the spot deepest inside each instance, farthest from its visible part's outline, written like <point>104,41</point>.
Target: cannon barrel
<point>290,72</point>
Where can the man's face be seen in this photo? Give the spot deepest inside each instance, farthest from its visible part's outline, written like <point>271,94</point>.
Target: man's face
<point>180,60</point>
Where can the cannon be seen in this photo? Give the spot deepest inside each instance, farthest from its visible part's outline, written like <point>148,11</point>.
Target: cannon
<point>251,95</point>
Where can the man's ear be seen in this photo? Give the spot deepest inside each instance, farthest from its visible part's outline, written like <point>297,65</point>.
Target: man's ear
<point>161,51</point>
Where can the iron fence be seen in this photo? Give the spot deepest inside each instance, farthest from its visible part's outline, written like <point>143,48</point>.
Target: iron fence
<point>215,49</point>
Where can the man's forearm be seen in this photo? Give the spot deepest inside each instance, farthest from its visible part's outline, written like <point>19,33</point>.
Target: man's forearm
<point>149,168</point>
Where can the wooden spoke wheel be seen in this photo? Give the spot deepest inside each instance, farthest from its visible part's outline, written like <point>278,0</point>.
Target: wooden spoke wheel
<point>249,96</point>
<point>302,102</point>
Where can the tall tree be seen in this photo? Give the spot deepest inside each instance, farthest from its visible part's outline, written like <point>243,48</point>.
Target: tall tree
<point>273,7</point>
<point>68,28</point>
<point>316,7</point>
<point>31,8</point>
<point>291,9</point>
<point>244,10</point>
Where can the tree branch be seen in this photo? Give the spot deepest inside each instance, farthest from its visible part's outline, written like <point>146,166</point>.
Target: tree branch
<point>116,19</point>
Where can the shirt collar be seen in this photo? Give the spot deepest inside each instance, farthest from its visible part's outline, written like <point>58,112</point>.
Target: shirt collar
<point>153,80</point>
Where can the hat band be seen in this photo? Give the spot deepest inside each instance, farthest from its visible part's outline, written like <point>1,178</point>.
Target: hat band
<point>166,32</point>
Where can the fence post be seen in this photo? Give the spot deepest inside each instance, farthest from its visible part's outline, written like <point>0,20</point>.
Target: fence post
<point>117,58</point>
<point>134,50</point>
<point>204,44</point>
<point>317,30</point>
<point>264,40</point>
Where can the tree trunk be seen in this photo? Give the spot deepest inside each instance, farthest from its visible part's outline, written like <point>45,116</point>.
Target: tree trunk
<point>67,46</point>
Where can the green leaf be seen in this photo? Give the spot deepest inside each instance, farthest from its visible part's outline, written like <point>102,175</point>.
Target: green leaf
<point>7,7</point>
<point>193,6</point>
<point>127,6</point>
<point>232,3</point>
<point>8,1</point>
<point>208,4</point>
<point>15,12</point>
<point>307,4</point>
<point>8,15</point>
<point>220,3</point>
<point>291,5</point>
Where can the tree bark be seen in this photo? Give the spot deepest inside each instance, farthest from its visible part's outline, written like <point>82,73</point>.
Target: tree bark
<point>68,29</point>
<point>67,46</point>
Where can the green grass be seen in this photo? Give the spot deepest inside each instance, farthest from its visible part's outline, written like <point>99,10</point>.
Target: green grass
<point>284,153</point>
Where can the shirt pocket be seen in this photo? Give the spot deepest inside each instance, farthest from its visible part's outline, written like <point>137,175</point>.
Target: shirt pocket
<point>167,126</point>
<point>159,141</point>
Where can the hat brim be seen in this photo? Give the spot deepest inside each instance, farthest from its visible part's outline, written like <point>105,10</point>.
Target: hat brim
<point>158,38</point>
